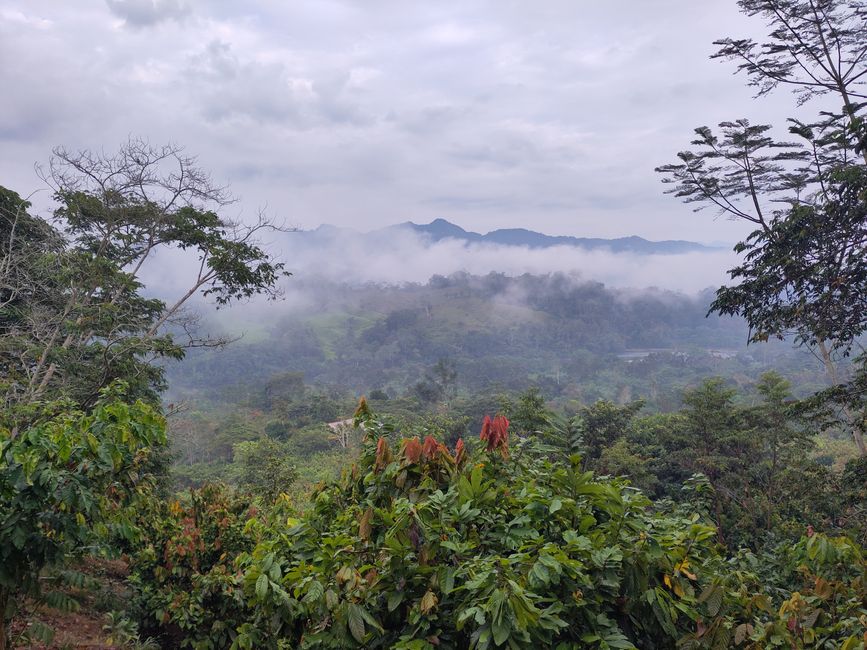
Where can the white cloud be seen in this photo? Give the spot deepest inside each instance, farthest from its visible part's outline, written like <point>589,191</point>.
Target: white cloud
<point>450,34</point>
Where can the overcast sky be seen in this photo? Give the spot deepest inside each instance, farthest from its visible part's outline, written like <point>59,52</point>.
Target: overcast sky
<point>546,114</point>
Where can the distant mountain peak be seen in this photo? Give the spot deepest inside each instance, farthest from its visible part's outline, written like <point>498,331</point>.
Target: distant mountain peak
<point>440,222</point>
<point>441,229</point>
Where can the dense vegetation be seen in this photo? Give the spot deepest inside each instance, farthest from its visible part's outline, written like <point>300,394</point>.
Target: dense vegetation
<point>483,545</point>
<point>560,333</point>
<point>676,499</point>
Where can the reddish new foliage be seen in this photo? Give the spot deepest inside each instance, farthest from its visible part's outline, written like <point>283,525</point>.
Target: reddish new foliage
<point>383,455</point>
<point>460,452</point>
<point>495,434</point>
<point>436,451</point>
<point>430,447</point>
<point>363,410</point>
<point>486,429</point>
<point>412,450</point>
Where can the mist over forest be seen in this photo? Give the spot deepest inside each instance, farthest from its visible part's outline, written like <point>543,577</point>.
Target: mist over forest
<point>499,329</point>
<point>400,255</point>
<point>370,310</point>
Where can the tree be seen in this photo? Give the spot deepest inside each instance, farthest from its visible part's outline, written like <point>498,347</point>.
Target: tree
<point>282,389</point>
<point>783,442</point>
<point>815,48</point>
<point>74,320</point>
<point>265,468</point>
<point>620,460</point>
<point>604,423</point>
<point>754,460</point>
<point>439,382</point>
<point>529,413</point>
<point>445,375</point>
<point>804,271</point>
<point>715,444</point>
<point>75,317</point>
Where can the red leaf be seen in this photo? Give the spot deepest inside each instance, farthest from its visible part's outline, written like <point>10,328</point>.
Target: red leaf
<point>430,447</point>
<point>460,452</point>
<point>383,455</point>
<point>495,434</point>
<point>485,435</point>
<point>412,450</point>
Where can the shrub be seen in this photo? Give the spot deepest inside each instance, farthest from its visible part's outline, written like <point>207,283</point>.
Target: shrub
<point>66,484</point>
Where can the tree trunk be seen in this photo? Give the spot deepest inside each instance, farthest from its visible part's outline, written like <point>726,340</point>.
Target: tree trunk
<point>851,418</point>
<point>4,600</point>
<point>858,437</point>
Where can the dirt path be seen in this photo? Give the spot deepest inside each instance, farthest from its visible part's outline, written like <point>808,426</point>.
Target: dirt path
<point>83,628</point>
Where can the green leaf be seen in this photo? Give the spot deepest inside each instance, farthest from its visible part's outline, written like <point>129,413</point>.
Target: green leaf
<point>712,597</point>
<point>395,598</point>
<point>61,601</point>
<point>447,580</point>
<point>314,592</point>
<point>372,622</point>
<point>262,587</point>
<point>356,622</point>
<point>41,632</point>
<point>501,630</point>
<point>19,537</point>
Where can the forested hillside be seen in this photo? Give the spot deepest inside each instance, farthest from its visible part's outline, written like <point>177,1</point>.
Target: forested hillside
<point>557,332</point>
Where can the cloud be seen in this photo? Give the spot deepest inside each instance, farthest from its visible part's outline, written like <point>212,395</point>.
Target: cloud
<point>147,13</point>
<point>244,92</point>
<point>330,264</point>
<point>403,256</point>
<point>12,16</point>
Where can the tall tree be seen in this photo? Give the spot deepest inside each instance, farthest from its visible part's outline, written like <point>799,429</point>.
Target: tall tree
<point>814,48</point>
<point>804,266</point>
<point>74,315</point>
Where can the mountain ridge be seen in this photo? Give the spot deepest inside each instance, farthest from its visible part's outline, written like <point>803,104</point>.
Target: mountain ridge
<point>441,229</point>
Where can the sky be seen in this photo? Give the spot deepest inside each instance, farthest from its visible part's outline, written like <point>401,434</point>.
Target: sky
<point>549,115</point>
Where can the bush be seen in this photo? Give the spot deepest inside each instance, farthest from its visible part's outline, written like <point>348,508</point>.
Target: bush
<point>186,587</point>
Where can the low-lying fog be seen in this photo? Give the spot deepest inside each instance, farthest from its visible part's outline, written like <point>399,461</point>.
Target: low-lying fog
<point>403,256</point>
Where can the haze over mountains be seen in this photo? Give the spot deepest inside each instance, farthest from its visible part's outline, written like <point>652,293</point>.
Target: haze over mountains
<point>410,252</point>
<point>441,229</point>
